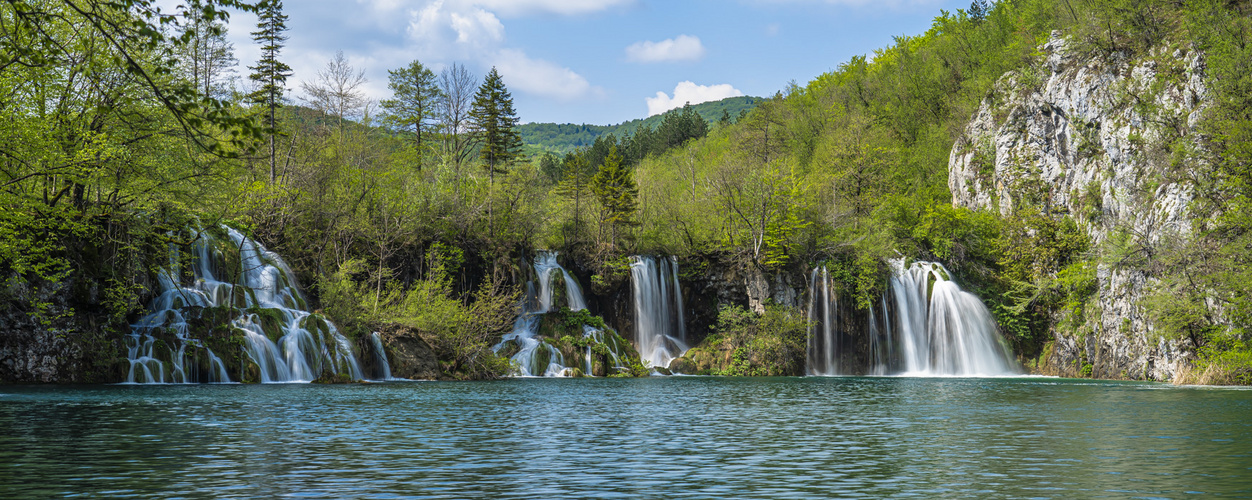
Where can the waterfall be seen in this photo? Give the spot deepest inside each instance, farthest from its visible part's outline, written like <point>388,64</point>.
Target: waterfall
<point>823,346</point>
<point>660,331</point>
<point>952,333</point>
<point>380,355</point>
<point>536,358</point>
<point>545,265</point>
<point>924,325</point>
<point>285,342</point>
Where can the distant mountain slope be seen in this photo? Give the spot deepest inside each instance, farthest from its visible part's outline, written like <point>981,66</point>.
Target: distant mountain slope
<point>565,137</point>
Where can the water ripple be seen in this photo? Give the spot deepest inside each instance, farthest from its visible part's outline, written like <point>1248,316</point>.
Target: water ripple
<point>680,437</point>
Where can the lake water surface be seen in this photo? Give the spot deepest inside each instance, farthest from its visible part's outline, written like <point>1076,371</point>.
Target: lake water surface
<point>677,437</point>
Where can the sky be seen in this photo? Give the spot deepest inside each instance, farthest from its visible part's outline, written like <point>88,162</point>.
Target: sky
<point>597,62</point>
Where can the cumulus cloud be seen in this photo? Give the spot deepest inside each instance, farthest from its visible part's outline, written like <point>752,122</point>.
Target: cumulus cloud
<point>477,26</point>
<point>690,93</point>
<point>680,48</point>
<point>537,76</point>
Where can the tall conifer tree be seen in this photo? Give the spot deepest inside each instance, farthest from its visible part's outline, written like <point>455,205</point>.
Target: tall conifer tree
<point>494,121</point>
<point>269,73</point>
<point>615,187</point>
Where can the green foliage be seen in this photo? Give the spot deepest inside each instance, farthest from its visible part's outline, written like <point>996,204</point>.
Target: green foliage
<point>568,137</point>
<point>574,320</point>
<point>415,97</point>
<point>462,332</point>
<point>772,344</point>
<point>615,189</point>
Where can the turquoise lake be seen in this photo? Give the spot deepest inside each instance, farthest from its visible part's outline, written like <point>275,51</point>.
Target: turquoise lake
<point>676,437</point>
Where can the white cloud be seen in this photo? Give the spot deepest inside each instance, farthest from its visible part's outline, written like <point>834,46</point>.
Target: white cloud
<point>537,76</point>
<point>562,7</point>
<point>771,29</point>
<point>680,48</point>
<point>690,93</point>
<point>478,26</point>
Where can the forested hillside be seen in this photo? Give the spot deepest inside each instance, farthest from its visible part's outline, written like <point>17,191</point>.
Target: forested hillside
<point>418,218</point>
<point>562,138</point>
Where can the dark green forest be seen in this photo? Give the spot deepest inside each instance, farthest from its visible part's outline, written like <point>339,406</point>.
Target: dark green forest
<point>561,138</point>
<point>120,131</point>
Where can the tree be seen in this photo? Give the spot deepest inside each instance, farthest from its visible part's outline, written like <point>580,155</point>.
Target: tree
<point>208,58</point>
<point>337,89</point>
<point>678,127</point>
<point>857,155</point>
<point>270,74</point>
<point>550,167</point>
<point>615,188</point>
<point>456,87</point>
<point>415,99</point>
<point>494,122</point>
<point>575,185</point>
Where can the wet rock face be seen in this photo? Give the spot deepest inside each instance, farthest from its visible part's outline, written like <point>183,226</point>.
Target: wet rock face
<point>67,345</point>
<point>1084,137</point>
<point>409,356</point>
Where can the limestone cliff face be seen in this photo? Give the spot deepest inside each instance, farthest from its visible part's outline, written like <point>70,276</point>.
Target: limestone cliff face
<point>65,343</point>
<point>1084,136</point>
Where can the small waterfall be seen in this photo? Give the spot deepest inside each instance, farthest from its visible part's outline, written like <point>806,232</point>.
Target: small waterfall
<point>660,330</point>
<point>384,367</point>
<point>952,333</point>
<point>924,325</point>
<point>545,265</point>
<point>285,342</point>
<point>823,349</point>
<point>536,357</point>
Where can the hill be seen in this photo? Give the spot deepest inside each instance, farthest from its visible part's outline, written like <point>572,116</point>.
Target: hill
<point>566,137</point>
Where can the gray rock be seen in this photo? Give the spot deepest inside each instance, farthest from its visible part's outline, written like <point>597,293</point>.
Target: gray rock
<point>1081,143</point>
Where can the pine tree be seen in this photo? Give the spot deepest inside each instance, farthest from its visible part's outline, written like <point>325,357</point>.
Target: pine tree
<point>614,186</point>
<point>415,96</point>
<point>494,121</point>
<point>269,73</point>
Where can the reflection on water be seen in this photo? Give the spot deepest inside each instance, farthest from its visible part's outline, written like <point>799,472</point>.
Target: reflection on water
<point>672,437</point>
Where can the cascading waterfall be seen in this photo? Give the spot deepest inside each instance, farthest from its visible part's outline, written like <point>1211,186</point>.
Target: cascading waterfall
<point>284,341</point>
<point>660,331</point>
<point>380,355</point>
<point>952,333</point>
<point>925,325</point>
<point>545,265</point>
<point>536,358</point>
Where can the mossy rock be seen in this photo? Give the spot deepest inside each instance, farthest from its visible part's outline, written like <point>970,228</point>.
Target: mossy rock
<point>334,378</point>
<point>509,349</point>
<point>683,366</point>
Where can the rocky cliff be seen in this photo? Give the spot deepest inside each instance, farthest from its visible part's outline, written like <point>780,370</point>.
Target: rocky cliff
<point>1086,135</point>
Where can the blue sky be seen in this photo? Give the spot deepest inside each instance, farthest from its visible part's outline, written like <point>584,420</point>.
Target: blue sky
<point>595,61</point>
